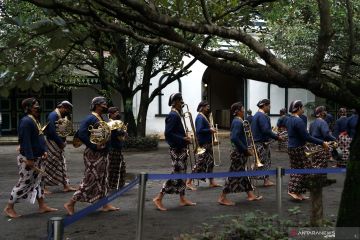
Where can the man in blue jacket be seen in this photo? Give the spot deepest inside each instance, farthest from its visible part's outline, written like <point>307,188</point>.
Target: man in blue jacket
<point>33,153</point>
<point>178,141</point>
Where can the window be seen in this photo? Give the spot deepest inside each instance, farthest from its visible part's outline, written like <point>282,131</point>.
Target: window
<point>163,97</point>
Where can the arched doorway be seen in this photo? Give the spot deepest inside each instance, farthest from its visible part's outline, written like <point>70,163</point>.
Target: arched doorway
<point>222,90</point>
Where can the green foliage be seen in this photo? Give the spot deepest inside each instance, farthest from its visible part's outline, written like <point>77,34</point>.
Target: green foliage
<point>249,226</point>
<point>142,143</point>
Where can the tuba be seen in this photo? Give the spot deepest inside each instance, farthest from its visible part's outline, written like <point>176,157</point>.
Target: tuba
<point>215,141</point>
<point>197,150</point>
<point>64,127</point>
<point>251,143</point>
<point>101,132</point>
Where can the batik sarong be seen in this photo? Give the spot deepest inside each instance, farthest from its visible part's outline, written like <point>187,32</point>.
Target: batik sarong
<point>94,184</point>
<point>29,185</point>
<point>298,160</point>
<point>237,184</point>
<point>283,145</point>
<point>55,166</point>
<point>263,152</point>
<point>205,161</point>
<point>179,164</point>
<point>117,169</point>
<point>344,145</point>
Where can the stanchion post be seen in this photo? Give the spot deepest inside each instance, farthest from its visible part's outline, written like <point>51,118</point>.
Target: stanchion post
<point>279,175</point>
<point>141,205</point>
<point>56,228</point>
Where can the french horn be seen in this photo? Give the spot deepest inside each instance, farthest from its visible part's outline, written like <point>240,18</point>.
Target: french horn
<point>64,127</point>
<point>101,132</point>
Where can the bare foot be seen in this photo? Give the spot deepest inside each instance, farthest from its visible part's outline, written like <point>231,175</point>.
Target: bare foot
<point>10,212</point>
<point>109,208</point>
<point>191,187</point>
<point>226,202</point>
<point>255,198</point>
<point>185,202</point>
<point>213,184</point>
<point>158,204</point>
<point>47,192</point>
<point>69,208</point>
<point>69,189</point>
<point>45,209</point>
<point>295,196</point>
<point>304,197</point>
<point>268,183</point>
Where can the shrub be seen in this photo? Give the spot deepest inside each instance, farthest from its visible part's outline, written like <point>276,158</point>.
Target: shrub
<point>249,226</point>
<point>142,143</point>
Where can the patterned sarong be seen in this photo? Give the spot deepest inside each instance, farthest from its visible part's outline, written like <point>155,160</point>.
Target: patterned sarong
<point>205,161</point>
<point>344,145</point>
<point>29,185</point>
<point>178,158</point>
<point>237,184</point>
<point>263,151</point>
<point>297,182</point>
<point>283,145</point>
<point>55,166</point>
<point>94,185</point>
<point>117,169</point>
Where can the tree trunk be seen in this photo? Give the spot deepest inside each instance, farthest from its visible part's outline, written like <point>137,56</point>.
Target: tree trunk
<point>129,114</point>
<point>349,211</point>
<point>141,118</point>
<point>316,217</point>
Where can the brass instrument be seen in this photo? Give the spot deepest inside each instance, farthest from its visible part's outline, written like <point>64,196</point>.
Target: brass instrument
<point>196,149</point>
<point>101,132</point>
<point>251,143</point>
<point>64,127</point>
<point>215,141</point>
<point>310,151</point>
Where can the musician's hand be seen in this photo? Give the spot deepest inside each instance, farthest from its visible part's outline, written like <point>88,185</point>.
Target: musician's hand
<point>45,155</point>
<point>325,146</point>
<point>213,130</point>
<point>187,139</point>
<point>100,146</point>
<point>249,153</point>
<point>281,138</point>
<point>29,163</point>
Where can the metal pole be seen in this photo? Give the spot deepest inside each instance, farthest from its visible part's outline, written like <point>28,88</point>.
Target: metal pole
<point>56,228</point>
<point>141,205</point>
<point>279,175</point>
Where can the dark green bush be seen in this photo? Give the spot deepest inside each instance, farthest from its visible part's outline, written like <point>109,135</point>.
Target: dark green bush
<point>142,143</point>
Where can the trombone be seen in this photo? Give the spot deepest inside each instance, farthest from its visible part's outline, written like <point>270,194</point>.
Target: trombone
<point>215,141</point>
<point>251,144</point>
<point>196,149</point>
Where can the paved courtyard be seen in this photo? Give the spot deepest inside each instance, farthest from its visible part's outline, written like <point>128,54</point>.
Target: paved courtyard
<point>157,225</point>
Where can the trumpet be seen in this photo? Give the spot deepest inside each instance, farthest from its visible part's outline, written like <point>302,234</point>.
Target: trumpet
<point>310,151</point>
<point>197,150</point>
<point>251,143</point>
<point>215,141</point>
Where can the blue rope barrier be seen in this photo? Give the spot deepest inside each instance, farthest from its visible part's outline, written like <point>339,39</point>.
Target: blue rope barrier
<point>158,176</point>
<point>315,170</point>
<point>84,212</point>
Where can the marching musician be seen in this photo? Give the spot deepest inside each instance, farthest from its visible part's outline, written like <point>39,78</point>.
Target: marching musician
<point>298,136</point>
<point>33,153</point>
<point>55,167</point>
<point>320,129</point>
<point>261,130</point>
<point>238,158</point>
<point>281,126</point>
<point>178,141</point>
<point>204,133</point>
<point>94,184</point>
<point>117,164</point>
